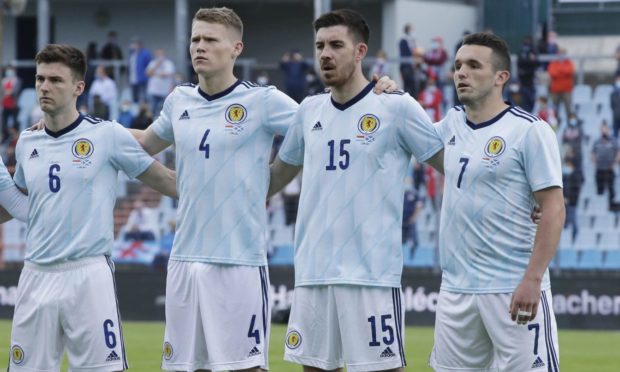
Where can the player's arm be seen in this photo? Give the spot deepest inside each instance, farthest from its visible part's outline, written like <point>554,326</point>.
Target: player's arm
<point>527,295</point>
<point>14,203</point>
<point>281,174</point>
<point>436,161</point>
<point>150,142</point>
<point>161,179</point>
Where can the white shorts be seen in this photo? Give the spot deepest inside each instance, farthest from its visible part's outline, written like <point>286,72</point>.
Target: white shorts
<point>70,305</point>
<point>474,332</point>
<point>217,317</point>
<point>333,324</point>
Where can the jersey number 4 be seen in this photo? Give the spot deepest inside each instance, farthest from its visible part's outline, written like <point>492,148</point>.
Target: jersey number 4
<point>204,146</point>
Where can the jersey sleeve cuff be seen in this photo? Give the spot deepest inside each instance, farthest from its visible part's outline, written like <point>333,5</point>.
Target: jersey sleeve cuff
<point>290,161</point>
<point>429,154</point>
<point>546,185</point>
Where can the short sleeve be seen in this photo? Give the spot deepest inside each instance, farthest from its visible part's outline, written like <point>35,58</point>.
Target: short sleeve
<point>6,182</point>
<point>293,146</point>
<point>18,177</point>
<point>417,134</point>
<point>280,111</point>
<point>163,125</point>
<point>127,154</point>
<point>541,157</point>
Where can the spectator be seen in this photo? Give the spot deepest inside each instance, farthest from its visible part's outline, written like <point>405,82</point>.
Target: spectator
<point>406,48</point>
<point>99,109</point>
<point>527,64</point>
<point>11,84</point>
<point>125,116</point>
<point>605,156</point>
<point>572,179</point>
<point>431,99</point>
<point>411,210</point>
<point>314,83</point>
<point>105,88</point>
<point>615,106</point>
<point>161,80</point>
<point>435,58</point>
<point>142,223</point>
<point>91,56</point>
<point>111,51</point>
<point>381,66</point>
<point>572,140</point>
<point>561,72</point>
<point>263,78</point>
<point>547,113</point>
<point>144,117</point>
<point>139,59</point>
<point>548,46</point>
<point>295,69</point>
<point>618,59</point>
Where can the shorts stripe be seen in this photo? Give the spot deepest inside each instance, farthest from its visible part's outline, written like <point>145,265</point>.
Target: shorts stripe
<point>548,334</point>
<point>263,284</point>
<point>398,322</point>
<point>118,313</point>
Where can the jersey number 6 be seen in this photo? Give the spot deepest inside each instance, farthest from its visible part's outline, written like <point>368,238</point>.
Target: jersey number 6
<point>54,180</point>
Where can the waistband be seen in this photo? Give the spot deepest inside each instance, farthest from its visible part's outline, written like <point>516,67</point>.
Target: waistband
<point>68,265</point>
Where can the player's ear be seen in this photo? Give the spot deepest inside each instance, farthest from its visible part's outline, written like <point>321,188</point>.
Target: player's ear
<point>79,87</point>
<point>237,49</point>
<point>502,77</point>
<point>360,52</point>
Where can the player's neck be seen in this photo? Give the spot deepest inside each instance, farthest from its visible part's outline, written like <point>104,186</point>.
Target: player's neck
<point>216,83</point>
<point>344,93</point>
<point>59,121</point>
<point>481,112</point>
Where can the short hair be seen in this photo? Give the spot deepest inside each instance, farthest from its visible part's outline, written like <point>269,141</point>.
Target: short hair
<point>67,55</point>
<point>224,16</point>
<point>345,17</point>
<point>498,47</point>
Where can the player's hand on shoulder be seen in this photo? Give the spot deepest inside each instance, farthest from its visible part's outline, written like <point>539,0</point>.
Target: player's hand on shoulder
<point>39,125</point>
<point>384,84</point>
<point>536,214</point>
<point>525,300</point>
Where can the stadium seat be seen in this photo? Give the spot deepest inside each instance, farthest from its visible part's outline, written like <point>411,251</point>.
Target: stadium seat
<point>586,110</point>
<point>602,92</point>
<point>283,255</point>
<point>567,259</point>
<point>424,256</point>
<point>586,239</point>
<point>612,260</point>
<point>591,259</point>
<point>582,93</point>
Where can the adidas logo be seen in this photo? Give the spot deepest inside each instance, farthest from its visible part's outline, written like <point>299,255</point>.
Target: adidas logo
<point>113,356</point>
<point>317,126</point>
<point>254,351</point>
<point>387,353</point>
<point>452,141</point>
<point>34,154</point>
<point>184,115</point>
<point>538,363</point>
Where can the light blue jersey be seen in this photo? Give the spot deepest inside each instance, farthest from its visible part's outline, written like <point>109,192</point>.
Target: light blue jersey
<point>355,158</point>
<point>223,144</point>
<point>71,178</point>
<point>6,181</point>
<point>492,170</point>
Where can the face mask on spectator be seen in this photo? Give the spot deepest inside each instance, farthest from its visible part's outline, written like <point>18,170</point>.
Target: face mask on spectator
<point>10,73</point>
<point>567,169</point>
<point>572,122</point>
<point>618,84</point>
<point>262,80</point>
<point>434,45</point>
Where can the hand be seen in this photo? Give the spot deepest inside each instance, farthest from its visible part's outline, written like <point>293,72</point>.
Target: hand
<point>536,214</point>
<point>524,301</point>
<point>37,126</point>
<point>385,84</point>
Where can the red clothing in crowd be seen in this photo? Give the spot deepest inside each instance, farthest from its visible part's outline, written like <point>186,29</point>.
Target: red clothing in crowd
<point>562,76</point>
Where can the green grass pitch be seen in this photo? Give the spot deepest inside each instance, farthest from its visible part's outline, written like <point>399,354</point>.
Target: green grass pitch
<point>596,351</point>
